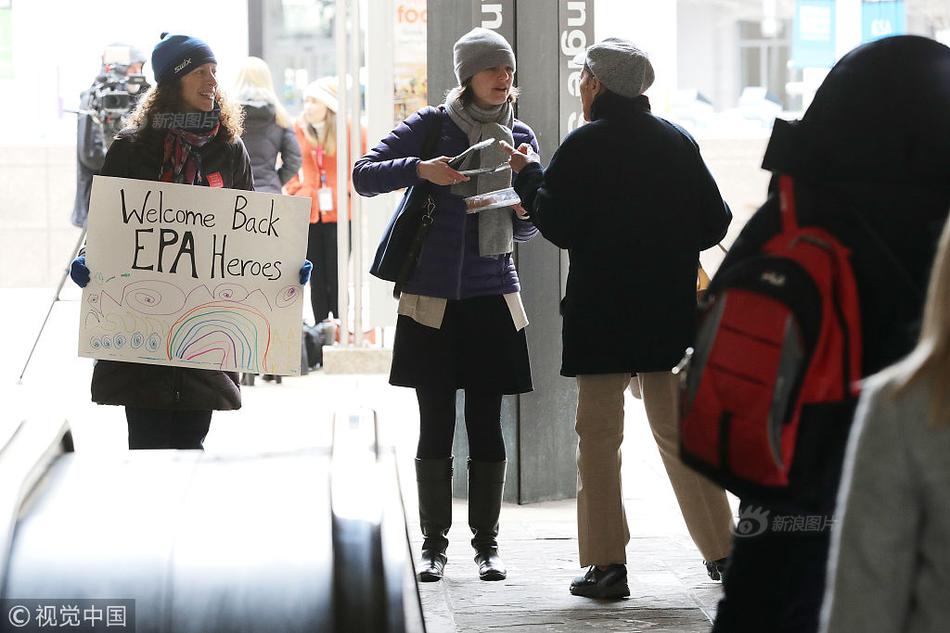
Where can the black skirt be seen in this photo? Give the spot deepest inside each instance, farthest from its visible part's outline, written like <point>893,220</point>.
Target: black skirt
<point>476,348</point>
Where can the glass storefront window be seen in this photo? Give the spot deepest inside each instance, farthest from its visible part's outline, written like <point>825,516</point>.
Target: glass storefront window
<point>298,45</point>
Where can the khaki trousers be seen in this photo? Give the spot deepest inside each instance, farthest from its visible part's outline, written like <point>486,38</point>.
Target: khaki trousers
<point>602,532</point>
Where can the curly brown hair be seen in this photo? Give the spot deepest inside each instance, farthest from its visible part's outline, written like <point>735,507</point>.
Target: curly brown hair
<point>166,99</point>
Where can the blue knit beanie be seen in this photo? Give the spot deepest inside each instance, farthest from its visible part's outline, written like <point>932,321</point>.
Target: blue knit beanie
<point>177,55</point>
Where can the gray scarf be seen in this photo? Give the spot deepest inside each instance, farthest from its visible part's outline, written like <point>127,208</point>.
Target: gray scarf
<point>494,226</point>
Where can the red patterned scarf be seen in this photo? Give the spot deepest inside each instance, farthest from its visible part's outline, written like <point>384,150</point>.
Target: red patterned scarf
<point>181,163</point>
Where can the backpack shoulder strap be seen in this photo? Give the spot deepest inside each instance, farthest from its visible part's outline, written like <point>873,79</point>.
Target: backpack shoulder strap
<point>787,203</point>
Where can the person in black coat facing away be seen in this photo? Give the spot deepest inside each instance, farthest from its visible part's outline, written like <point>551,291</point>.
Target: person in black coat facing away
<point>268,135</point>
<point>871,164</point>
<point>630,197</point>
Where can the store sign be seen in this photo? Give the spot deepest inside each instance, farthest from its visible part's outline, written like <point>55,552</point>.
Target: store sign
<point>576,33</point>
<point>882,18</point>
<point>813,37</point>
<point>410,80</point>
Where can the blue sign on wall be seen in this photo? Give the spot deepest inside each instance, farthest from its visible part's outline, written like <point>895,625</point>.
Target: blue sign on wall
<point>813,37</point>
<point>881,18</point>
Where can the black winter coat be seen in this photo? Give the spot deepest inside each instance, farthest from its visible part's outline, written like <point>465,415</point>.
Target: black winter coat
<point>870,160</point>
<point>265,141</point>
<point>158,386</point>
<point>632,200</point>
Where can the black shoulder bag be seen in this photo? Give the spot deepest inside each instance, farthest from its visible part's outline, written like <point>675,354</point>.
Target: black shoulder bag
<point>401,243</point>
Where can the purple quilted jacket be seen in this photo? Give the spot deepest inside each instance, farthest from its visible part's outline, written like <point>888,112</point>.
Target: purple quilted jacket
<point>449,265</point>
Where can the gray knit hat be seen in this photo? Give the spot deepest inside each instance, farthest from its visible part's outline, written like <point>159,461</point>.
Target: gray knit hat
<point>619,65</point>
<point>480,49</point>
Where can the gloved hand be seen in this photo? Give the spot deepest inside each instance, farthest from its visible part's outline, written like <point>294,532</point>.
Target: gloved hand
<point>78,271</point>
<point>305,271</point>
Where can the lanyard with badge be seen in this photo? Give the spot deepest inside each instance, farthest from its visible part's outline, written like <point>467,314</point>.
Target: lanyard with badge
<point>325,193</point>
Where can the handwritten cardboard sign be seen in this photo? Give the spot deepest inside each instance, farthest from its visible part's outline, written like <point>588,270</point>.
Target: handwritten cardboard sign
<point>196,277</point>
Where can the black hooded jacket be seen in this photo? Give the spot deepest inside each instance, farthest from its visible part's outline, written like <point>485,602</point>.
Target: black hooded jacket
<point>265,141</point>
<point>871,163</point>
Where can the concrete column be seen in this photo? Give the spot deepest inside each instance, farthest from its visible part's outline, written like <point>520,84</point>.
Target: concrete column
<point>379,114</point>
<point>255,30</point>
<point>548,39</point>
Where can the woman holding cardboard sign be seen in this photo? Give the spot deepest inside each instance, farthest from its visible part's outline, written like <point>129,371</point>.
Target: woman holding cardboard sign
<point>461,320</point>
<point>183,131</point>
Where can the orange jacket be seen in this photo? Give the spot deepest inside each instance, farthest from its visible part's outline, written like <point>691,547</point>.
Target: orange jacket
<point>308,180</point>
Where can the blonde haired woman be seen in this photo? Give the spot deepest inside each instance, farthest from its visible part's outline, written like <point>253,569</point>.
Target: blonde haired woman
<point>268,135</point>
<point>268,129</point>
<point>316,133</point>
<point>890,552</point>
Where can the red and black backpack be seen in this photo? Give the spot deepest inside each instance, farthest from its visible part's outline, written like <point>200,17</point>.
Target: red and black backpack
<point>770,387</point>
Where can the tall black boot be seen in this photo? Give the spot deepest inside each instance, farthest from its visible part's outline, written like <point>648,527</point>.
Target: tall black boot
<point>486,485</point>
<point>434,479</point>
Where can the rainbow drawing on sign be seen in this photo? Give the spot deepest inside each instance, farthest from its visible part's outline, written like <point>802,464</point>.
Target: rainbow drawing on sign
<point>221,333</point>
<point>228,327</point>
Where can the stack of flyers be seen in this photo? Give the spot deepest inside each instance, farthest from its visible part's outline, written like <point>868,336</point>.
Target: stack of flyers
<point>492,200</point>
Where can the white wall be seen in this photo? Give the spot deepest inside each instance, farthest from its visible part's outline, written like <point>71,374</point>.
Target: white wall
<point>708,53</point>
<point>57,46</point>
<point>651,25</point>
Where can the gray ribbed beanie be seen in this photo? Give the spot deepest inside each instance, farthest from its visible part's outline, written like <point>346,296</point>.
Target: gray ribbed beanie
<point>619,65</point>
<point>480,49</point>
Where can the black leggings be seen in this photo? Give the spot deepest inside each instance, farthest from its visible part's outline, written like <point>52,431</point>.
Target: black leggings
<point>324,280</point>
<point>482,423</point>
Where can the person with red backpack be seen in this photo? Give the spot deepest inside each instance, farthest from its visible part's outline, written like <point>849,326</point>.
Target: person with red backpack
<point>824,286</point>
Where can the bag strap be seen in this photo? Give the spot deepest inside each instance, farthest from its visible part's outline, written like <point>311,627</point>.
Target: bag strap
<point>429,146</point>
<point>786,188</point>
<point>432,136</point>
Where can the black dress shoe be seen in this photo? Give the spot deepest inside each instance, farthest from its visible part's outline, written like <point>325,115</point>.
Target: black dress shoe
<point>717,568</point>
<point>490,565</point>
<point>432,565</point>
<point>602,583</point>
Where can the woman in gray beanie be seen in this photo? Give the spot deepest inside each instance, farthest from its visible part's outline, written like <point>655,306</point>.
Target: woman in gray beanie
<point>461,320</point>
